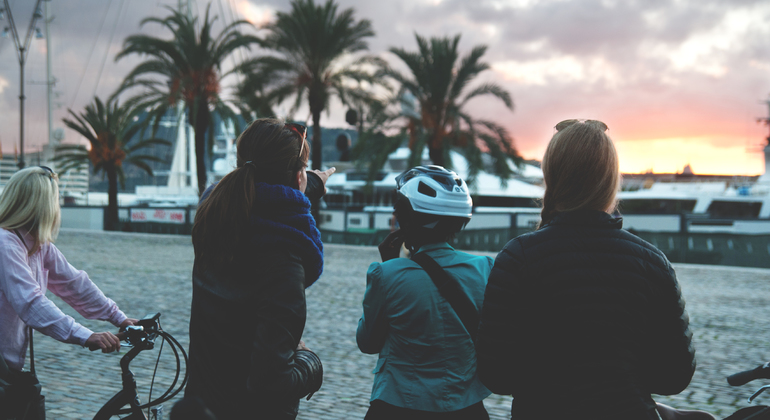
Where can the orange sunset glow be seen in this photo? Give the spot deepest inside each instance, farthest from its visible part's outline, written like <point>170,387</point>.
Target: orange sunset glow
<point>678,82</point>
<point>730,150</point>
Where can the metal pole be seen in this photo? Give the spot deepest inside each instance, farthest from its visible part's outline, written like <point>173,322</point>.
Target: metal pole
<point>48,78</point>
<point>22,49</point>
<point>21,110</point>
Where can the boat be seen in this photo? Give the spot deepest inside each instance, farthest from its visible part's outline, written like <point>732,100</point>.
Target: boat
<point>352,206</point>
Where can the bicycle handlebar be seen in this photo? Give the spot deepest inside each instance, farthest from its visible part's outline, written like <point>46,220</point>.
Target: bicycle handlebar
<point>742,378</point>
<point>145,331</point>
<point>142,337</point>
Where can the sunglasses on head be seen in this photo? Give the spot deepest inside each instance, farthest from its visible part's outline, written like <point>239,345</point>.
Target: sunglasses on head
<point>50,173</point>
<point>566,123</point>
<point>301,130</point>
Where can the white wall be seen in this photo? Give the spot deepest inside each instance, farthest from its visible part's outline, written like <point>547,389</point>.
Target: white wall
<point>91,218</point>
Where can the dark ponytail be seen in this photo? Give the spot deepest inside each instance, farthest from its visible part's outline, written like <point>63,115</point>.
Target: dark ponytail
<point>267,152</point>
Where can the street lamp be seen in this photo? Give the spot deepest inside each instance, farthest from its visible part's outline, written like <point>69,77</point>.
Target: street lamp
<point>22,50</point>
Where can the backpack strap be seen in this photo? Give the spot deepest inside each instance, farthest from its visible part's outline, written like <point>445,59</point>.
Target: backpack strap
<point>452,292</point>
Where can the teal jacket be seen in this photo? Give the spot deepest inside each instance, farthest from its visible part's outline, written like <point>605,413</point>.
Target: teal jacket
<point>427,359</point>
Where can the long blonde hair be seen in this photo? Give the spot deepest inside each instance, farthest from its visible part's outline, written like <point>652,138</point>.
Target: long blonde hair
<point>30,201</point>
<point>580,169</point>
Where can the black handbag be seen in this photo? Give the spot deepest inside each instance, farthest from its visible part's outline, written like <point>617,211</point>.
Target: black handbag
<point>20,392</point>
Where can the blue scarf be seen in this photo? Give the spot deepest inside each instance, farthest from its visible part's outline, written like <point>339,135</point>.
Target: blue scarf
<point>281,216</point>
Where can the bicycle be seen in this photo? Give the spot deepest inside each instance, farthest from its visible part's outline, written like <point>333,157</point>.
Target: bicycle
<point>142,337</point>
<point>757,412</point>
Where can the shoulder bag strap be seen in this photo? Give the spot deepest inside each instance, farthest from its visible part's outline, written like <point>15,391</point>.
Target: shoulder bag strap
<point>31,352</point>
<point>451,291</point>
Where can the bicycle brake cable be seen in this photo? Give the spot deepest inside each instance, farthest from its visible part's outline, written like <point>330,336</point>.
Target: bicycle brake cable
<point>155,371</point>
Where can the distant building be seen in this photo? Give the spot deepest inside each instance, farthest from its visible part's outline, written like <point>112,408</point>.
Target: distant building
<point>70,183</point>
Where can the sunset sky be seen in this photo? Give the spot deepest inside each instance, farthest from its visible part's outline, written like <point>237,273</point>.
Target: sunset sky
<point>677,81</point>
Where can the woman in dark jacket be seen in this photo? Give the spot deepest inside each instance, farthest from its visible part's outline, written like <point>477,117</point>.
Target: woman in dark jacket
<point>581,319</point>
<point>256,250</point>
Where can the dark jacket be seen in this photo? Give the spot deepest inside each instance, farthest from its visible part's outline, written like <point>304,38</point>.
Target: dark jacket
<point>246,321</point>
<point>583,320</point>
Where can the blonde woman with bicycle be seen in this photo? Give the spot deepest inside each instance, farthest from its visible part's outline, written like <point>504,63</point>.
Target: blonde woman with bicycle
<point>30,264</point>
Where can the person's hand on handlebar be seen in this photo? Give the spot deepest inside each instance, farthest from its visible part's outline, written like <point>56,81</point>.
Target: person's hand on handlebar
<point>106,341</point>
<point>127,322</point>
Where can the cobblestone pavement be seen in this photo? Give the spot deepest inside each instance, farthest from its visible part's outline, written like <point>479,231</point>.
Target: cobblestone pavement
<point>151,273</point>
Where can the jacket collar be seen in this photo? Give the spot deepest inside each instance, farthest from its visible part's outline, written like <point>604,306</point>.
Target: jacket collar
<point>438,245</point>
<point>594,218</point>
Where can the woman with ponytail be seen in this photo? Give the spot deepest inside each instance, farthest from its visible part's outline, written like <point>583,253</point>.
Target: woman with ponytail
<point>256,250</point>
<point>581,312</point>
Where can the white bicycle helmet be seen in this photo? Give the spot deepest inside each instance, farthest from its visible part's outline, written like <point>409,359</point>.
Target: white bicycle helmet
<point>435,190</point>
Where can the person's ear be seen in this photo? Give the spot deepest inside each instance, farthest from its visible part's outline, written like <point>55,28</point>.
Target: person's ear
<point>296,179</point>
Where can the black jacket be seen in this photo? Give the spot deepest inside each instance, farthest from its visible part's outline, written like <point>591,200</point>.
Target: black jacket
<point>583,320</point>
<point>243,336</point>
<point>246,321</point>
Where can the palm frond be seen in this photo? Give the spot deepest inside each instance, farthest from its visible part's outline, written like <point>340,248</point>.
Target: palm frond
<point>489,89</point>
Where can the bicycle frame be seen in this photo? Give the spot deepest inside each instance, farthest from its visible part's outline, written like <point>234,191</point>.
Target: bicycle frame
<point>142,337</point>
<point>128,395</point>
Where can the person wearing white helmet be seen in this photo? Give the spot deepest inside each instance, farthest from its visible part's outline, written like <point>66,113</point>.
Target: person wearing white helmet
<point>420,314</point>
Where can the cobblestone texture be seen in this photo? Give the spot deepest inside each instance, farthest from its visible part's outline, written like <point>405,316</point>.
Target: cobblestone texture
<point>151,273</point>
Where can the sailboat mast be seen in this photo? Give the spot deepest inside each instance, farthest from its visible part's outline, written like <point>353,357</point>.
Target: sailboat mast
<point>48,77</point>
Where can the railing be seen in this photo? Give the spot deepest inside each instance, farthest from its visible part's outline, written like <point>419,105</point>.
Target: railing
<point>683,238</point>
<point>694,248</point>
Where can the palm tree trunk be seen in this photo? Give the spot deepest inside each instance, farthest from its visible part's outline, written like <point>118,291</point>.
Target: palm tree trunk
<point>200,126</point>
<point>435,150</point>
<point>317,150</point>
<point>111,214</point>
<point>436,156</point>
<point>317,144</point>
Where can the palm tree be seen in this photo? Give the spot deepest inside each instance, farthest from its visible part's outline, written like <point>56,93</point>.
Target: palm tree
<point>440,121</point>
<point>186,68</point>
<point>110,129</point>
<point>379,135</point>
<point>311,39</point>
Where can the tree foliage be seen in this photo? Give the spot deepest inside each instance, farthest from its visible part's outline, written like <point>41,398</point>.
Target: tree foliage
<point>439,81</point>
<point>186,69</point>
<point>310,41</point>
<point>113,132</point>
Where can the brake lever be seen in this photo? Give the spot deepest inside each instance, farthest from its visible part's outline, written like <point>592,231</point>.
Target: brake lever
<point>759,391</point>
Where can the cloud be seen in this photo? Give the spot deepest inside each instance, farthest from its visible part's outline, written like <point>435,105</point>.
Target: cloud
<point>258,15</point>
<point>3,84</point>
<point>686,72</point>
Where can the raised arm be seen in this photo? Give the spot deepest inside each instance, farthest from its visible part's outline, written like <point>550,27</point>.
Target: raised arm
<point>316,183</point>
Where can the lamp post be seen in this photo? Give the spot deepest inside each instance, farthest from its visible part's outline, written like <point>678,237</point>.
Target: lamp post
<point>22,50</point>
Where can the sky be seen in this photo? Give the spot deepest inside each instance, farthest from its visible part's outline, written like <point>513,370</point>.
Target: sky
<point>678,82</point>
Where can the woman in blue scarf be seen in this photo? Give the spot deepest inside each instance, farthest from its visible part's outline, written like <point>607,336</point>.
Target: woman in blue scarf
<point>256,250</point>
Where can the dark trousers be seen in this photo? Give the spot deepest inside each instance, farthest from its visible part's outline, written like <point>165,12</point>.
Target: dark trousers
<point>379,410</point>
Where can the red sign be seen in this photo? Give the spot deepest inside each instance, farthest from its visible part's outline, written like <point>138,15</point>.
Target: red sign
<point>175,216</point>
